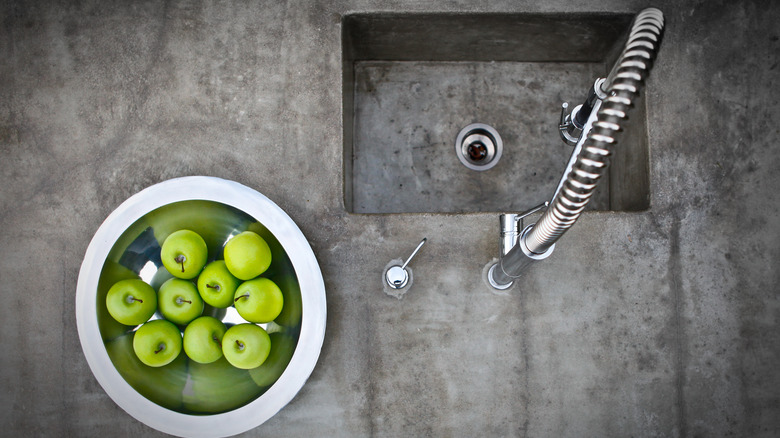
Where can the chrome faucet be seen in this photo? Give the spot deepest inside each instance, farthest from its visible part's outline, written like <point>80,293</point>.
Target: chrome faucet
<point>592,128</point>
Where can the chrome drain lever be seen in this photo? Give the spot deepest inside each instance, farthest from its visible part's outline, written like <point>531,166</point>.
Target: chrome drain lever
<point>397,276</point>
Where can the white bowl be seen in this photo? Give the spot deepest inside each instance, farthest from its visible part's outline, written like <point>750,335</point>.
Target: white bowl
<point>227,209</point>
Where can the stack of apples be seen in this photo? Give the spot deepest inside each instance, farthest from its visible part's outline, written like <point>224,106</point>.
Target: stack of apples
<point>234,281</point>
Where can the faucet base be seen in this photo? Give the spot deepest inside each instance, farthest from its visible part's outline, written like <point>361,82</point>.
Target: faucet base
<point>516,261</point>
<point>493,283</point>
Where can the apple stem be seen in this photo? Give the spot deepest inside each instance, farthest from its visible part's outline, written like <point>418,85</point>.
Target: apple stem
<point>240,345</point>
<point>130,299</point>
<point>246,295</point>
<point>160,348</point>
<point>180,259</point>
<point>217,340</point>
<point>180,301</point>
<point>213,287</point>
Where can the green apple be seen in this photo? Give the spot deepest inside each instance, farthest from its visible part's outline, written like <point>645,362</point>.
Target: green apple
<point>282,273</point>
<point>247,255</point>
<point>211,220</point>
<point>111,273</point>
<point>203,339</point>
<point>282,349</point>
<point>157,343</point>
<point>217,286</point>
<point>179,301</point>
<point>162,385</point>
<point>246,346</point>
<point>259,300</point>
<point>184,254</point>
<point>218,387</point>
<point>131,302</point>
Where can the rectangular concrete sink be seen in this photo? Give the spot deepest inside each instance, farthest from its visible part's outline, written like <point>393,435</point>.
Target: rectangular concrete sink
<point>413,81</point>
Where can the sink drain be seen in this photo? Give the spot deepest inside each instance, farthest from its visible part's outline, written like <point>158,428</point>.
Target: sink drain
<point>478,146</point>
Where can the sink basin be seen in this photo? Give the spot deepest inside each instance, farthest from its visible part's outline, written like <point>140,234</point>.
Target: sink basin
<point>413,81</point>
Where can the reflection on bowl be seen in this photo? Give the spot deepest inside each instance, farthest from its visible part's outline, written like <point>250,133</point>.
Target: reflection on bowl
<point>185,397</point>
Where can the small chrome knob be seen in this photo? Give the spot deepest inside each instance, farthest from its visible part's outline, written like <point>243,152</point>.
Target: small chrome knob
<point>570,132</point>
<point>397,276</point>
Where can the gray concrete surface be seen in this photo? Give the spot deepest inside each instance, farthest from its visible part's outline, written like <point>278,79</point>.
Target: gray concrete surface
<point>408,115</point>
<point>659,323</point>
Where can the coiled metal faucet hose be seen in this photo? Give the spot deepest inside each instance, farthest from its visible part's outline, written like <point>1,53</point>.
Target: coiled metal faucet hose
<point>621,87</point>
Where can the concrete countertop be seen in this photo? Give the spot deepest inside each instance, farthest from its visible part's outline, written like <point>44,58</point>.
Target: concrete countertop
<point>658,323</point>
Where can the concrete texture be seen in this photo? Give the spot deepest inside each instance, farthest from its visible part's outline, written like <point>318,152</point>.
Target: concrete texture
<point>408,115</point>
<point>659,323</point>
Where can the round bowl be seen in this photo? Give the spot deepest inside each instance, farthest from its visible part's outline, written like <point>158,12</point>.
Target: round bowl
<point>186,398</point>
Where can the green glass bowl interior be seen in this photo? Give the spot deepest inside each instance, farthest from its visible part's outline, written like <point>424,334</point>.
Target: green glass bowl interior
<point>184,385</point>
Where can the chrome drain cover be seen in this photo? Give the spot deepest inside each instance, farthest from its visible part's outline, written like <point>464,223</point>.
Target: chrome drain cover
<point>478,146</point>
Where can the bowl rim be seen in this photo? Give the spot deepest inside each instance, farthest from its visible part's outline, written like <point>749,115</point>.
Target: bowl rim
<point>313,301</point>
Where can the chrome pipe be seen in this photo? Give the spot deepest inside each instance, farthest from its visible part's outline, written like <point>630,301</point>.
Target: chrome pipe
<point>590,157</point>
<point>504,272</point>
<point>641,45</point>
<point>622,86</point>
